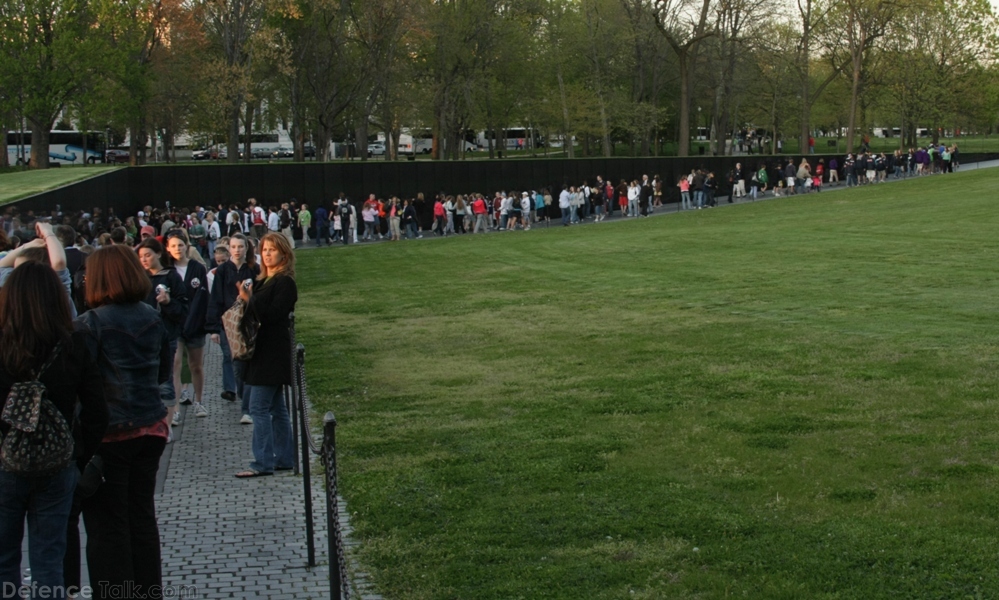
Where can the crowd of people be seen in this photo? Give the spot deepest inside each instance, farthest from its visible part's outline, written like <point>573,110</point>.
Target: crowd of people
<point>93,337</point>
<point>101,313</point>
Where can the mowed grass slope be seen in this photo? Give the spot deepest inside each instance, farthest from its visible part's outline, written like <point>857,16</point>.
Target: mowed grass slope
<point>15,185</point>
<point>791,399</point>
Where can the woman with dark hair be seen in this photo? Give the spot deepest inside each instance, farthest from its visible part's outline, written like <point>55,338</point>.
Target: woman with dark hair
<point>37,340</point>
<point>271,299</point>
<point>240,267</point>
<point>169,298</point>
<point>129,340</point>
<point>192,336</point>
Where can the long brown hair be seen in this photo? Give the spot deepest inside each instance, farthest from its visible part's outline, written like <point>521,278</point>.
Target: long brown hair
<point>281,243</point>
<point>115,276</point>
<point>34,311</point>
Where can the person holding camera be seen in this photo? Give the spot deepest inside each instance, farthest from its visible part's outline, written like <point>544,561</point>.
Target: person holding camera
<point>241,266</point>
<point>270,300</point>
<point>168,296</point>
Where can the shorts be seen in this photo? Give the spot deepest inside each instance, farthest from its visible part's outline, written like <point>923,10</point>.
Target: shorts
<point>194,343</point>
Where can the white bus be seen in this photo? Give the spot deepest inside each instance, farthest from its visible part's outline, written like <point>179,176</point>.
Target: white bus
<point>65,147</point>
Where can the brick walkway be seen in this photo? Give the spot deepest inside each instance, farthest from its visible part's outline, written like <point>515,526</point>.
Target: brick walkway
<point>233,538</point>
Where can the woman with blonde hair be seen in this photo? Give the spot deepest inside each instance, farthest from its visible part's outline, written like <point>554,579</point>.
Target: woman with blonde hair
<point>270,300</point>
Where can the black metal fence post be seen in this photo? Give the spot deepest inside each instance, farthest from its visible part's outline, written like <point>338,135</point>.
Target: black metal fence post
<point>337,560</point>
<point>306,468</point>
<point>293,396</point>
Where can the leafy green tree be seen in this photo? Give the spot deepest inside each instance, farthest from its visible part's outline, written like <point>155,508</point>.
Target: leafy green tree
<point>43,47</point>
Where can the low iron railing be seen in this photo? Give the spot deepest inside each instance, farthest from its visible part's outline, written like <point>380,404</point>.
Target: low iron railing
<point>297,397</point>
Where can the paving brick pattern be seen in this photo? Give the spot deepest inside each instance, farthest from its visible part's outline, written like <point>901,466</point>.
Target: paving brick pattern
<point>236,538</point>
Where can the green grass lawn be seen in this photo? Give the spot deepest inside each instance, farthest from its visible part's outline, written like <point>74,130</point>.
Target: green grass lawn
<point>16,184</point>
<point>790,399</point>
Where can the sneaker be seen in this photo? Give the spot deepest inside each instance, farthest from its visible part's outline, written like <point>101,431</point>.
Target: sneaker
<point>176,419</point>
<point>246,420</point>
<point>230,396</point>
<point>199,410</point>
<point>185,396</point>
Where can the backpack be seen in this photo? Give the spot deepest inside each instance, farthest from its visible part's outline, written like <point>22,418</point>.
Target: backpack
<point>40,441</point>
<point>240,330</point>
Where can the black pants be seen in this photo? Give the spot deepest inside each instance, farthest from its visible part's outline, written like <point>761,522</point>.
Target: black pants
<point>459,223</point>
<point>123,541</point>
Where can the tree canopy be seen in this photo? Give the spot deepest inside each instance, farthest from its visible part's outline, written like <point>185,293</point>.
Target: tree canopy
<point>598,76</point>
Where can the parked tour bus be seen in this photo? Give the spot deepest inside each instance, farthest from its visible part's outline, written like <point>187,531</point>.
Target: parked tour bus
<point>65,147</point>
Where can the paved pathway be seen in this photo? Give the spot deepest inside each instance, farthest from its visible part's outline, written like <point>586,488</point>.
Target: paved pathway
<point>234,538</point>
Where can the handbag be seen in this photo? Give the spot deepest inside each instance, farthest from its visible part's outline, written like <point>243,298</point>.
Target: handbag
<point>241,330</point>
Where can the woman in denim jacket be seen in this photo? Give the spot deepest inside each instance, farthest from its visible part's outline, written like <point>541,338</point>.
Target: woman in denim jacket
<point>129,341</point>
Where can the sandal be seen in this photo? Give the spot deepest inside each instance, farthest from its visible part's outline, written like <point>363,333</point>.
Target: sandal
<point>251,473</point>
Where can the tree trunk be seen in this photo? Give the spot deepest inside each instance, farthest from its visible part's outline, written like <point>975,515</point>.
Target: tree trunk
<point>361,135</point>
<point>683,146</point>
<point>854,90</point>
<point>4,158</point>
<point>39,143</point>
<point>232,144</point>
<point>565,114</point>
<point>251,109</point>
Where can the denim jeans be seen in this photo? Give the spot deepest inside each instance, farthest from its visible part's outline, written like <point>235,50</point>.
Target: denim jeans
<point>272,442</point>
<point>685,201</point>
<point>46,502</point>
<point>123,540</point>
<point>566,214</point>
<point>167,392</point>
<point>699,198</point>
<point>228,374</point>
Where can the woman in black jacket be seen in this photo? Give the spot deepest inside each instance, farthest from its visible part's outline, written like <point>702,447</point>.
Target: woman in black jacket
<point>270,300</point>
<point>240,267</point>
<point>169,297</point>
<point>192,336</point>
<point>36,328</point>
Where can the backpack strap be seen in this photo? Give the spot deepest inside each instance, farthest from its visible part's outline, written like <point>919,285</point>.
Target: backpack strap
<point>51,359</point>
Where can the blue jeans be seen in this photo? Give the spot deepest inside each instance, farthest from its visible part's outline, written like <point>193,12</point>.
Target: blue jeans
<point>685,201</point>
<point>273,446</point>
<point>699,198</point>
<point>167,392</point>
<point>228,379</point>
<point>566,214</point>
<point>46,501</point>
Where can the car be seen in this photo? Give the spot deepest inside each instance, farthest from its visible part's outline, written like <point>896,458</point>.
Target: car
<point>261,152</point>
<point>309,151</point>
<point>283,152</point>
<point>376,149</point>
<point>115,156</point>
